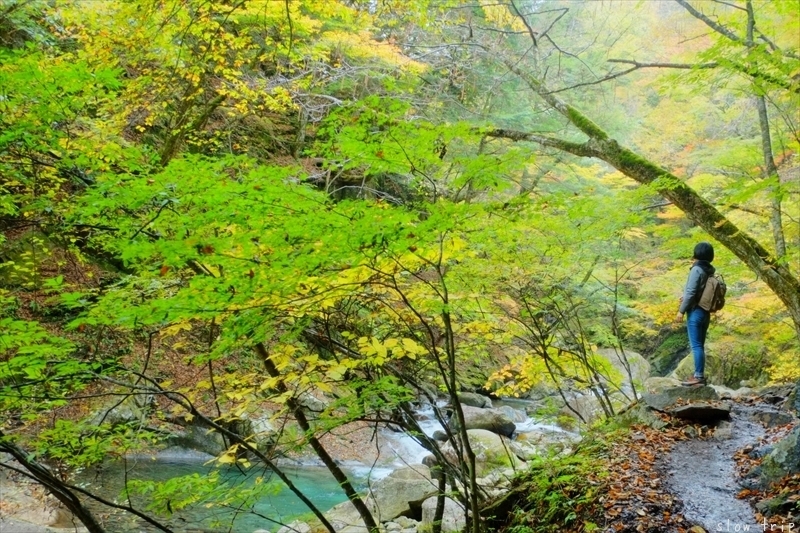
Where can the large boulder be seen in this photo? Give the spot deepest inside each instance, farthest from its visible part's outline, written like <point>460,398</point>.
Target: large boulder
<point>473,399</point>
<point>199,438</point>
<point>654,385</point>
<point>672,349</point>
<point>401,493</point>
<point>294,527</point>
<point>344,517</point>
<point>196,435</point>
<point>665,399</point>
<point>619,359</point>
<point>492,452</point>
<point>515,415</point>
<point>262,430</point>
<point>131,409</point>
<point>453,519</point>
<point>398,495</point>
<point>783,460</point>
<point>714,370</point>
<point>488,419</point>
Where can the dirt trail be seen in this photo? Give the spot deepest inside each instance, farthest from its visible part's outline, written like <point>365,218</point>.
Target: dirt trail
<point>702,474</point>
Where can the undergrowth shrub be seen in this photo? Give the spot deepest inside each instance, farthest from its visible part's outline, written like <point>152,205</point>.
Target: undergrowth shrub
<point>563,491</point>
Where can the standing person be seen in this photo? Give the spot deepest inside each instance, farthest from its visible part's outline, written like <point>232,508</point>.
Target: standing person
<point>698,318</point>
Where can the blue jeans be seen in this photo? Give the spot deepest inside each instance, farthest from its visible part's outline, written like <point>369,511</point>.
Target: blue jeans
<point>696,328</point>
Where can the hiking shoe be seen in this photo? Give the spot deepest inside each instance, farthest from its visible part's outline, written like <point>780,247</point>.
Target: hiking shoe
<point>693,381</point>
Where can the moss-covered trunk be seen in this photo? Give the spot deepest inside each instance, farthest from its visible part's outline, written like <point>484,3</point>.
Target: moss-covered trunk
<point>600,146</point>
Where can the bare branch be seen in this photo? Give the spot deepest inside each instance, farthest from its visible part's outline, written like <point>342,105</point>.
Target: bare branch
<point>751,72</point>
<point>719,28</point>
<point>596,82</point>
<point>722,30</point>
<point>686,66</point>
<point>734,6</point>
<point>525,21</point>
<point>553,23</point>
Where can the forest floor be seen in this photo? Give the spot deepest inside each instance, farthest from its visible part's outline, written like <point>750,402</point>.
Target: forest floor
<point>686,478</point>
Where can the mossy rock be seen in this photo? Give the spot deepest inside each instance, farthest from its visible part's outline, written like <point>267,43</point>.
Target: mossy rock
<point>714,371</point>
<point>783,460</point>
<point>669,353</point>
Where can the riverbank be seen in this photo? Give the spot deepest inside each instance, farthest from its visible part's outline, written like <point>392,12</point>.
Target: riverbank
<point>647,479</point>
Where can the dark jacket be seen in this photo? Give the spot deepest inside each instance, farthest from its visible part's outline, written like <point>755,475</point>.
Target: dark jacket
<point>698,275</point>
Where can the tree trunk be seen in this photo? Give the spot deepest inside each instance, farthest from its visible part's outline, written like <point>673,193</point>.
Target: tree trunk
<point>53,485</point>
<point>600,146</point>
<point>333,468</point>
<point>771,171</point>
<point>777,276</point>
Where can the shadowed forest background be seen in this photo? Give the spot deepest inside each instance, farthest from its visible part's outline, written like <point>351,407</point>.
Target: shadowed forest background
<point>316,214</point>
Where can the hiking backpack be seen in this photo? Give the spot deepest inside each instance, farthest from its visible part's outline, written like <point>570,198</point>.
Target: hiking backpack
<point>713,297</point>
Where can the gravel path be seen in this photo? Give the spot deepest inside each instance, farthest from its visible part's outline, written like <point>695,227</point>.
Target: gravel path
<point>702,474</point>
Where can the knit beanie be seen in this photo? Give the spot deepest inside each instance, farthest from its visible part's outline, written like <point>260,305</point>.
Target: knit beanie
<point>704,252</point>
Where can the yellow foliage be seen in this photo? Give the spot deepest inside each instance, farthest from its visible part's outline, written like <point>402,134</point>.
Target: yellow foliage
<point>786,366</point>
<point>500,15</point>
<point>671,213</point>
<point>362,45</point>
<point>229,457</point>
<point>174,329</point>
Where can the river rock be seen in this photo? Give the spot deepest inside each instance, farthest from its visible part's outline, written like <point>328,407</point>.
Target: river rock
<point>453,519</point>
<point>474,400</point>
<point>11,525</point>
<point>440,436</point>
<point>492,452</point>
<point>345,517</point>
<point>582,406</point>
<point>487,419</point>
<point>515,415</point>
<point>406,523</point>
<point>400,492</point>
<point>524,449</point>
<point>26,507</point>
<point>666,398</point>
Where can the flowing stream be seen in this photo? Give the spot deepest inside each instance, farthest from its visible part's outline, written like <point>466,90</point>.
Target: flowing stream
<point>277,505</point>
<point>269,510</point>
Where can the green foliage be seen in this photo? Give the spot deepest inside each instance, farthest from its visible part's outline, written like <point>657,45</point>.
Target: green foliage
<point>562,491</point>
<point>83,444</point>
<point>23,22</point>
<point>36,366</point>
<point>383,136</point>
<point>166,141</point>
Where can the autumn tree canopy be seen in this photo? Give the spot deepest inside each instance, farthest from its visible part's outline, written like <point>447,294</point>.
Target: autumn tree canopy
<point>209,209</point>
